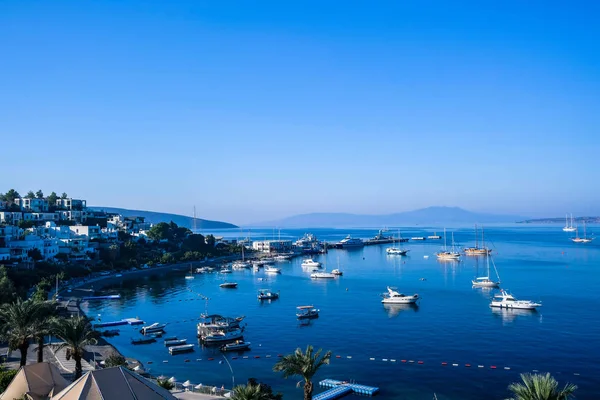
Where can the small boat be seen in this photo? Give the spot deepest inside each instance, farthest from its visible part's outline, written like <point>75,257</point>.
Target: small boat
<point>222,335</point>
<point>272,270</point>
<point>310,263</point>
<point>418,238</point>
<point>350,242</point>
<point>435,236</point>
<point>240,265</point>
<point>307,312</point>
<point>337,272</point>
<point>267,294</point>
<point>228,285</point>
<point>225,270</point>
<point>485,281</point>
<point>238,345</point>
<point>506,300</point>
<point>282,257</point>
<point>143,340</point>
<point>175,342</point>
<point>155,327</point>
<point>322,275</point>
<point>426,257</point>
<point>184,348</point>
<point>396,251</point>
<point>394,297</point>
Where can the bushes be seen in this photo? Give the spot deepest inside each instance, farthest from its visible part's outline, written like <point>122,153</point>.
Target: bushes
<point>6,377</point>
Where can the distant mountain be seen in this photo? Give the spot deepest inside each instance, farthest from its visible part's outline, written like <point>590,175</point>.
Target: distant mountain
<point>156,217</point>
<point>430,215</point>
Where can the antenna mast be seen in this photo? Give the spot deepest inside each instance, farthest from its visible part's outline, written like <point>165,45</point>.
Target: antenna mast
<point>194,220</point>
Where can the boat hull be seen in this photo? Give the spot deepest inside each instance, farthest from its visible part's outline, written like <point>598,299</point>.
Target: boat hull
<point>515,306</point>
<point>404,300</point>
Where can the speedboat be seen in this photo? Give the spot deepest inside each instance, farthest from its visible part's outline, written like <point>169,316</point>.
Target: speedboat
<point>184,348</point>
<point>506,300</point>
<point>350,242</point>
<point>417,238</point>
<point>322,275</point>
<point>337,272</point>
<point>434,236</point>
<point>216,336</point>
<point>307,312</point>
<point>175,342</point>
<point>396,251</point>
<point>394,297</point>
<point>310,263</point>
<point>238,345</point>
<point>228,285</point>
<point>155,327</point>
<point>282,257</point>
<point>225,271</point>
<point>272,270</point>
<point>267,294</point>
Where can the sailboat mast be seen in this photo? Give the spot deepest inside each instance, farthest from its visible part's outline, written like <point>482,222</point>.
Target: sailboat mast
<point>476,239</point>
<point>445,241</point>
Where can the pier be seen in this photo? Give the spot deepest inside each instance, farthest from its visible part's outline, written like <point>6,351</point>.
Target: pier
<point>342,388</point>
<point>126,321</point>
<point>109,297</point>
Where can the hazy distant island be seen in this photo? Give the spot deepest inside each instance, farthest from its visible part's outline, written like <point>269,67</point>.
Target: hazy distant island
<point>429,215</point>
<point>561,220</point>
<point>156,217</point>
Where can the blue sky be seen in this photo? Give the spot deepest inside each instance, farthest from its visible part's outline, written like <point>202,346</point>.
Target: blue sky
<point>258,110</point>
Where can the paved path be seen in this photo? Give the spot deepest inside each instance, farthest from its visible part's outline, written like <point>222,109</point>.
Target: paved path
<point>69,365</point>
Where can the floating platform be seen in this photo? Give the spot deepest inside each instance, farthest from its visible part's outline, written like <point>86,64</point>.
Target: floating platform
<point>335,384</point>
<point>109,297</point>
<point>127,321</point>
<point>133,321</point>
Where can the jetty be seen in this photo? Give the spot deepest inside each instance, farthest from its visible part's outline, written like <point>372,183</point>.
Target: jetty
<point>109,297</point>
<point>126,321</point>
<point>342,388</point>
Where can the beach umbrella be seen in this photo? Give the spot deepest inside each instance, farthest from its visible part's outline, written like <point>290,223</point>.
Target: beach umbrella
<point>172,379</point>
<point>198,386</point>
<point>137,368</point>
<point>186,384</point>
<point>162,377</point>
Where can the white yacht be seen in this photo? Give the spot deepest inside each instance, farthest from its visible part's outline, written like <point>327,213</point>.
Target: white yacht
<point>225,270</point>
<point>446,254</point>
<point>337,272</point>
<point>272,270</point>
<point>267,294</point>
<point>282,257</point>
<point>394,297</point>
<point>240,265</point>
<point>396,251</point>
<point>350,242</point>
<point>155,327</point>
<point>506,300</point>
<point>322,275</point>
<point>486,281</point>
<point>310,263</point>
<point>584,239</point>
<point>569,228</point>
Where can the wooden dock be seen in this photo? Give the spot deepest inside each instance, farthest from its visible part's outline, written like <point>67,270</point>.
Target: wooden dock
<point>342,388</point>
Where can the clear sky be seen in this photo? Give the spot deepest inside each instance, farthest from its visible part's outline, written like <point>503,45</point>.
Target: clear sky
<point>255,110</point>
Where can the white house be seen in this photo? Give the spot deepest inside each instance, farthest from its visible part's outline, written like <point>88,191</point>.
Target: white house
<point>92,232</point>
<point>10,217</point>
<point>35,205</point>
<point>40,216</point>
<point>272,246</point>
<point>10,232</point>
<point>71,204</point>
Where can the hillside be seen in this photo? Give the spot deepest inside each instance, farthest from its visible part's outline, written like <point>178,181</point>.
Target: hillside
<point>430,215</point>
<point>155,217</point>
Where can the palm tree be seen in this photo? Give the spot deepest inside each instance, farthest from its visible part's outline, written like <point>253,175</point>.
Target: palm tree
<point>540,387</point>
<point>42,326</point>
<point>249,392</point>
<point>304,364</point>
<point>165,384</point>
<point>76,333</point>
<point>17,323</point>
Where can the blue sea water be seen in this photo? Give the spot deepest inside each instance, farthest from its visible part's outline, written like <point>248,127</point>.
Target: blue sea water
<point>453,322</point>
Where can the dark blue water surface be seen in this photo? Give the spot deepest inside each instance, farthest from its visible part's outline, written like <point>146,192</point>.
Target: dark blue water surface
<point>453,322</point>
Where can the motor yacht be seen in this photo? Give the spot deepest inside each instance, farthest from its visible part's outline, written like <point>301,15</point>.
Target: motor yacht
<point>155,327</point>
<point>322,275</point>
<point>225,270</point>
<point>272,270</point>
<point>228,285</point>
<point>307,312</point>
<point>394,297</point>
<point>337,272</point>
<point>184,348</point>
<point>175,342</point>
<point>506,300</point>
<point>350,242</point>
<point>310,263</point>
<point>267,294</point>
<point>238,345</point>
<point>240,265</point>
<point>395,251</point>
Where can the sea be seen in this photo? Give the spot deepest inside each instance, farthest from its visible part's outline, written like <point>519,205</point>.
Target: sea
<point>451,344</point>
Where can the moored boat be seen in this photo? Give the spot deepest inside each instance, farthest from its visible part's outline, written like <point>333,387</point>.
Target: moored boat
<point>307,312</point>
<point>143,340</point>
<point>322,275</point>
<point>184,348</point>
<point>506,300</point>
<point>337,272</point>
<point>175,342</point>
<point>238,345</point>
<point>394,297</point>
<point>267,294</point>
<point>485,281</point>
<point>272,270</point>
<point>310,263</point>
<point>155,327</point>
<point>349,242</point>
<point>228,285</point>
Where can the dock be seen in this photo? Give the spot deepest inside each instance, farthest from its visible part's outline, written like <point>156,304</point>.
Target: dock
<point>127,321</point>
<point>342,388</point>
<point>109,297</point>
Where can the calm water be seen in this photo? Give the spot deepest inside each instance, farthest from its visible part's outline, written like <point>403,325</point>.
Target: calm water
<point>453,322</point>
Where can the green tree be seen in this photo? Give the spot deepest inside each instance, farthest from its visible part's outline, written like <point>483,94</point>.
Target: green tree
<point>64,196</point>
<point>165,384</point>
<point>17,323</point>
<point>540,387</point>
<point>303,364</point>
<point>7,287</point>
<point>195,242</point>
<point>39,194</point>
<point>25,224</point>
<point>76,333</point>
<point>114,360</point>
<point>167,258</point>
<point>210,241</point>
<point>6,377</point>
<point>30,195</point>
<point>52,199</point>
<point>248,392</point>
<point>35,254</point>
<point>160,231</point>
<point>11,196</point>
<point>42,325</point>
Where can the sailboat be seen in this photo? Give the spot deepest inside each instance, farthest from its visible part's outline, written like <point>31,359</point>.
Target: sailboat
<point>241,264</point>
<point>569,228</point>
<point>478,251</point>
<point>396,250</point>
<point>448,255</point>
<point>486,281</point>
<point>191,275</point>
<point>584,239</point>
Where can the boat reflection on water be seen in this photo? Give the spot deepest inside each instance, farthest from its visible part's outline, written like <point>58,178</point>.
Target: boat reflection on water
<point>393,310</point>
<point>510,314</point>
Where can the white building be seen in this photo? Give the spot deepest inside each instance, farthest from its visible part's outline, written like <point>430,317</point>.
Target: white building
<point>71,204</point>
<point>272,246</point>
<point>40,216</point>
<point>92,232</point>
<point>4,254</point>
<point>35,205</point>
<point>10,217</point>
<point>10,232</point>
